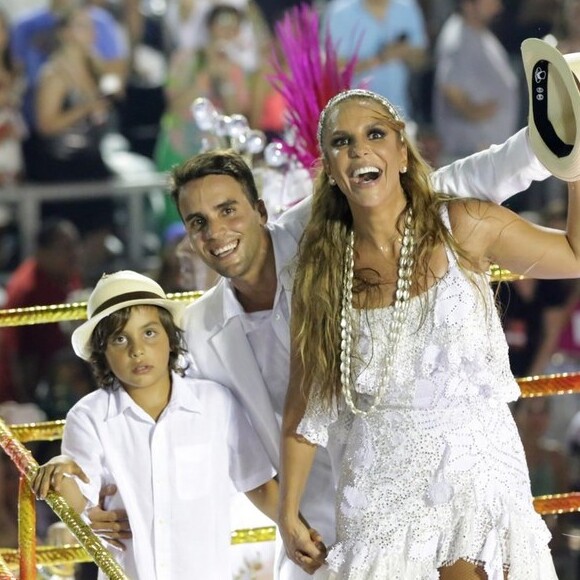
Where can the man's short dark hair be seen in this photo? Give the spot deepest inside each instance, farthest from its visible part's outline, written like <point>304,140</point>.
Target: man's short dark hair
<point>219,162</point>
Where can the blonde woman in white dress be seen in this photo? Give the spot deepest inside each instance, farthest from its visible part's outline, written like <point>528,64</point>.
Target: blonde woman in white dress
<point>400,361</point>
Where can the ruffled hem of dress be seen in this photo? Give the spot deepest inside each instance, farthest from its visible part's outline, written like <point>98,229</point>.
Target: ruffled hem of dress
<point>317,422</point>
<point>523,553</point>
<point>314,433</point>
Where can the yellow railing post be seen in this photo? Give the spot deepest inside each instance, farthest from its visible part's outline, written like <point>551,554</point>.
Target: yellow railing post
<point>26,530</point>
<point>27,466</point>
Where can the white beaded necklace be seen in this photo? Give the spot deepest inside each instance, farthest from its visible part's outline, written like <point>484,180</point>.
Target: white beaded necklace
<point>404,271</point>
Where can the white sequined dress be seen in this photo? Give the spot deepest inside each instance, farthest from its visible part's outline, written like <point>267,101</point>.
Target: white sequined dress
<point>437,472</point>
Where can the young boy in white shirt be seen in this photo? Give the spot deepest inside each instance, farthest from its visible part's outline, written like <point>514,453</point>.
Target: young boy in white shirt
<point>172,445</point>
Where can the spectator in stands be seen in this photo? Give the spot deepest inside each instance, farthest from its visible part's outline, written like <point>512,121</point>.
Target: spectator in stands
<point>186,21</point>
<point>33,38</point>
<point>476,96</point>
<point>46,278</point>
<point>72,119</point>
<point>209,72</point>
<point>143,102</point>
<point>11,123</point>
<point>390,39</point>
<point>70,109</point>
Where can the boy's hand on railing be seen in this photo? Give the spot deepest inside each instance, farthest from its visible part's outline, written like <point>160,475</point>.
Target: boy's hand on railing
<point>49,476</point>
<point>110,525</point>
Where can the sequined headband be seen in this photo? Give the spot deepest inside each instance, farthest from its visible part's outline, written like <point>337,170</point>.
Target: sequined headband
<point>351,94</point>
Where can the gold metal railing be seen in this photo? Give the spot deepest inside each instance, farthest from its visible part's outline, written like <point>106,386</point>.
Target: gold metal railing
<point>64,312</point>
<point>27,466</point>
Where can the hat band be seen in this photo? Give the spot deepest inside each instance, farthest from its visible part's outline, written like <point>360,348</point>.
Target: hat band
<point>128,297</point>
<point>540,111</point>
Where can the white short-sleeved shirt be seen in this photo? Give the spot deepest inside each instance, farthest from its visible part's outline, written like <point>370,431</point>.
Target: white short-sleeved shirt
<point>174,476</point>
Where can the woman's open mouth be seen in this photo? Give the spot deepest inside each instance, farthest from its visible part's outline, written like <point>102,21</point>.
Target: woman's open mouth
<point>366,174</point>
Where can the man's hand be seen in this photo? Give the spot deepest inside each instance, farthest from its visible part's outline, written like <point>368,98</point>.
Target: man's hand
<point>112,526</point>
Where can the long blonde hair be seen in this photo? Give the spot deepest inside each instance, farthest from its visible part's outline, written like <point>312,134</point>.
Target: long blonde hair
<point>317,292</point>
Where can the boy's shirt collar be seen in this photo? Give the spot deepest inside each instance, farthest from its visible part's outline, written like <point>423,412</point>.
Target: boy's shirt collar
<point>182,395</point>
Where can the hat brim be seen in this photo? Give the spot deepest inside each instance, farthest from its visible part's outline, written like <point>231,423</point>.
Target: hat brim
<point>81,337</point>
<point>554,107</point>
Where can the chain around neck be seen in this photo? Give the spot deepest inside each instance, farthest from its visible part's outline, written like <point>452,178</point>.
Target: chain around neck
<point>404,272</point>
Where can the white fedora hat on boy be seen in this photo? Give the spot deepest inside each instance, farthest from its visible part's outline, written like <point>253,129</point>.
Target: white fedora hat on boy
<point>554,115</point>
<point>114,292</point>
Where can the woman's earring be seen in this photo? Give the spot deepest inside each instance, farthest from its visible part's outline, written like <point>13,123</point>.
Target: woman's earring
<point>331,180</point>
<point>403,169</point>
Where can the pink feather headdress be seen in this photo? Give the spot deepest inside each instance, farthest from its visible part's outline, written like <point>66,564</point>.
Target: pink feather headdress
<point>308,78</point>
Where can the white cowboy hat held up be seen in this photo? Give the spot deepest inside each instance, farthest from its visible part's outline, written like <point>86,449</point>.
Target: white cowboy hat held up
<point>554,115</point>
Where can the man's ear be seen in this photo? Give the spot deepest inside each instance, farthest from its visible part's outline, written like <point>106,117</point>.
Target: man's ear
<point>261,207</point>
